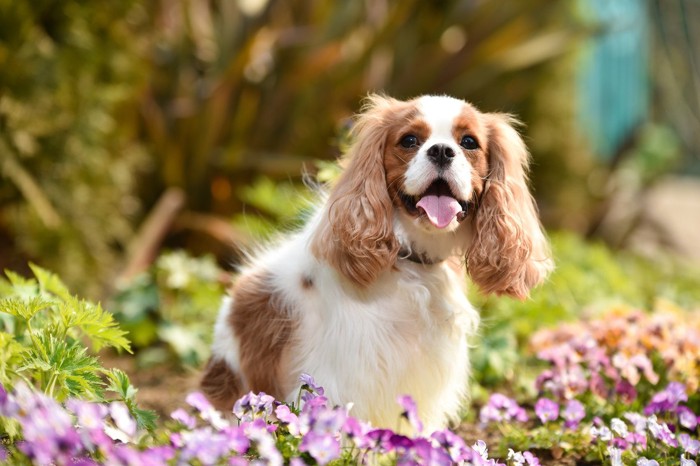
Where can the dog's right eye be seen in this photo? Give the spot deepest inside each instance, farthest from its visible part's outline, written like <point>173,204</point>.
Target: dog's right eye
<point>409,141</point>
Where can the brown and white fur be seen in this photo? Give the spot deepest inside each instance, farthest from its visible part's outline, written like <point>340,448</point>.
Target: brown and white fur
<point>369,296</point>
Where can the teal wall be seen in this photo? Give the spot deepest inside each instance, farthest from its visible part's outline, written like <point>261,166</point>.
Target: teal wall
<point>614,78</point>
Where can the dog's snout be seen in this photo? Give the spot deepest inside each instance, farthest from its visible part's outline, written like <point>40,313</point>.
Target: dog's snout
<point>441,154</point>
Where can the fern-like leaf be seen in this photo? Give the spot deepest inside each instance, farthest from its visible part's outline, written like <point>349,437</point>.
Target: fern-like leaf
<point>119,383</point>
<point>11,355</point>
<point>50,283</point>
<point>95,323</point>
<point>24,307</point>
<point>22,287</point>
<point>63,369</point>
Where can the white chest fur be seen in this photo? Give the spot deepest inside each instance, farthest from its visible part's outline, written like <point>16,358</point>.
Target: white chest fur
<point>406,334</point>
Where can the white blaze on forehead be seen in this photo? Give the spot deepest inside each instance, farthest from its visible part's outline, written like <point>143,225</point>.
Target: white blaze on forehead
<point>440,113</point>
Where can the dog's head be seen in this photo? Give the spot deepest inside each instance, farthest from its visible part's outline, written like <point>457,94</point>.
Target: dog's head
<point>435,176</point>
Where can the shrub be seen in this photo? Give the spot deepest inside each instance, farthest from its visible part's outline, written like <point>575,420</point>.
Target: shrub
<point>44,331</point>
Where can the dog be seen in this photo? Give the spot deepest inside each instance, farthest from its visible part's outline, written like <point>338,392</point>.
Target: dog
<point>370,296</point>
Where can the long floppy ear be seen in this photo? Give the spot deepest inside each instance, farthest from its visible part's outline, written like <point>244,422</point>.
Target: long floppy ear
<point>356,234</point>
<point>509,253</point>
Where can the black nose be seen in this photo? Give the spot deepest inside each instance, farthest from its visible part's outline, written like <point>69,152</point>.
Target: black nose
<point>441,155</point>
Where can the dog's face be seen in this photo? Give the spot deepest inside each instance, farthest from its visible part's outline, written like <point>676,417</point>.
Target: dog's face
<point>439,166</point>
<point>436,161</point>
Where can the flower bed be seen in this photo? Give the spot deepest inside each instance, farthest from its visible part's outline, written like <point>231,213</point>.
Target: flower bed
<point>621,389</point>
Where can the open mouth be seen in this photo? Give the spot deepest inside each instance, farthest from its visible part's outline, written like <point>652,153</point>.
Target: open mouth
<point>437,203</point>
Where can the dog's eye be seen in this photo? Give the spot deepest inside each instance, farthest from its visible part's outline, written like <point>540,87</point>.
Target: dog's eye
<point>409,141</point>
<point>469,143</point>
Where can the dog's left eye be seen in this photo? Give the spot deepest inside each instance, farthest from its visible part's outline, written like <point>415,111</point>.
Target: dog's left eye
<point>469,143</point>
<point>409,141</point>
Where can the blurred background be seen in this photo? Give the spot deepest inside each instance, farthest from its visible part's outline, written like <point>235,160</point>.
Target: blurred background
<point>144,143</point>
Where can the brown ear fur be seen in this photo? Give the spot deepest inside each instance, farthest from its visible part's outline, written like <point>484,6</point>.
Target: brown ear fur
<point>356,235</point>
<point>509,253</point>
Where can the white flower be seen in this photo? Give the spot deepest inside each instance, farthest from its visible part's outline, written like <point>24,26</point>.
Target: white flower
<point>516,457</point>
<point>481,449</point>
<point>685,462</point>
<point>619,426</point>
<point>603,433</point>
<point>615,456</point>
<point>645,462</point>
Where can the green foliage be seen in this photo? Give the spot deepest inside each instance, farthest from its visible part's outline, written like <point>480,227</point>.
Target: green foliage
<point>67,155</point>
<point>119,383</point>
<point>588,278</point>
<point>206,96</point>
<point>276,207</point>
<point>44,331</point>
<point>170,311</point>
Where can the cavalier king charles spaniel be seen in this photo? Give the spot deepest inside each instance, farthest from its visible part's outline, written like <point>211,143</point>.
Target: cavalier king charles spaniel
<point>369,297</point>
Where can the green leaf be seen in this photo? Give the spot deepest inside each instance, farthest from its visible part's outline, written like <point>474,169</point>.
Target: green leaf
<point>95,323</point>
<point>22,287</point>
<point>24,308</point>
<point>119,383</point>
<point>11,355</point>
<point>49,282</point>
<point>63,369</point>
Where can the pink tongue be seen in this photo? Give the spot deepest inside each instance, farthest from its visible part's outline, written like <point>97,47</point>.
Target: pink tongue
<point>439,209</point>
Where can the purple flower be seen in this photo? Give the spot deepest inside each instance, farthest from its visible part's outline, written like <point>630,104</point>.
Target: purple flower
<point>602,433</point>
<point>8,406</point>
<point>357,432</point>
<point>687,418</point>
<point>646,462</point>
<point>424,452</point>
<point>547,410</point>
<point>452,443</point>
<point>287,417</point>
<point>206,411</point>
<point>253,405</point>
<point>636,440</point>
<point>638,421</point>
<point>198,401</point>
<point>258,432</point>
<point>49,435</point>
<point>690,445</point>
<point>380,439</point>
<point>237,440</point>
<point>687,462</point>
<point>184,418</point>
<point>205,445</point>
<point>322,447</point>
<point>626,391</point>
<point>573,414</point>
<point>500,408</point>
<point>309,384</point>
<point>410,412</point>
<point>530,459</point>
<point>667,400</point>
<point>661,432</point>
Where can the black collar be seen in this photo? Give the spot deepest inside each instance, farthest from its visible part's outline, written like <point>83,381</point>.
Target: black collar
<point>416,257</point>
